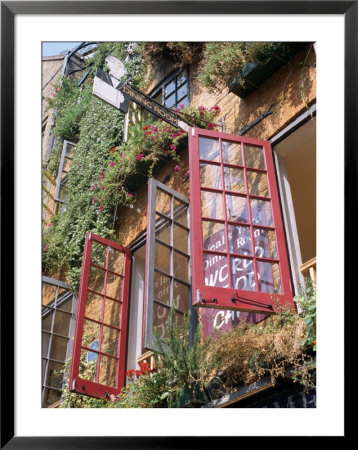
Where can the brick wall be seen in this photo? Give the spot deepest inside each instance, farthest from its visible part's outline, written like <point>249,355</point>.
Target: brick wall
<point>289,90</point>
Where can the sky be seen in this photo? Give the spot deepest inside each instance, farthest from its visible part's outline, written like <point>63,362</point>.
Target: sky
<point>56,48</point>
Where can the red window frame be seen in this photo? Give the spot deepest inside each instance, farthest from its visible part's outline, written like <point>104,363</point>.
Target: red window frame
<point>76,383</point>
<point>228,297</point>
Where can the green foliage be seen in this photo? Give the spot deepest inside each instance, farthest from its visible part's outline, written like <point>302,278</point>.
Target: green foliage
<point>306,300</point>
<point>223,60</point>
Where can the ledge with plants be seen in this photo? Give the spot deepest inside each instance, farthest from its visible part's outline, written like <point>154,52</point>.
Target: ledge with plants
<point>193,375</point>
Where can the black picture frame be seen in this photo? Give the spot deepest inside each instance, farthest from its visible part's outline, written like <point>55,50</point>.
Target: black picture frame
<point>9,10</point>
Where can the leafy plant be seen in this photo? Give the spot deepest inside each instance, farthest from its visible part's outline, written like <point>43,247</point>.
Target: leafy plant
<point>223,60</point>
<point>306,300</point>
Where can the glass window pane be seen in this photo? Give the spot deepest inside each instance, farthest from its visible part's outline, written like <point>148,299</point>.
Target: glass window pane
<point>210,176</point>
<point>54,379</point>
<point>90,332</point>
<point>237,209</point>
<point>161,288</point>
<point>114,286</point>
<point>232,153</point>
<point>160,319</point>
<point>254,157</point>
<point>212,205</point>
<point>93,356</point>
<point>257,182</point>
<point>182,91</point>
<point>240,239</point>
<point>162,258</point>
<point>214,236</point>
<point>112,313</point>
<point>108,371</point>
<point>180,212</point>
<point>269,277</point>
<point>65,305</point>
<point>181,264</point>
<point>47,320</point>
<point>96,280</point>
<point>51,396</point>
<point>48,294</point>
<point>261,212</point>
<point>265,243</point>
<point>110,339</point>
<point>58,348</point>
<point>62,323</point>
<point>70,150</point>
<point>94,306</point>
<point>88,371</point>
<point>183,101</point>
<point>163,230</point>
<point>234,179</point>
<point>67,165</point>
<point>163,203</point>
<point>169,88</point>
<point>182,77</point>
<point>243,276</point>
<point>116,261</point>
<point>209,149</point>
<point>181,238</point>
<point>181,297</point>
<point>170,101</point>
<point>216,270</point>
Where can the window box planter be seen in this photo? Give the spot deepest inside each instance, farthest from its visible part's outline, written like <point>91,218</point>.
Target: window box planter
<point>254,74</point>
<point>190,397</point>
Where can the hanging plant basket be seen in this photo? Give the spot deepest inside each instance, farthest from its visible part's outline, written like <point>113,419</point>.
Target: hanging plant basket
<point>254,74</point>
<point>190,397</point>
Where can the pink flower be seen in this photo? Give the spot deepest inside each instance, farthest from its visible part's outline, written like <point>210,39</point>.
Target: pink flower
<point>102,187</point>
<point>215,108</point>
<point>46,247</point>
<point>201,108</point>
<point>111,163</point>
<point>149,157</point>
<point>49,224</point>
<point>176,168</point>
<point>181,106</point>
<point>130,195</point>
<point>94,200</point>
<point>155,129</point>
<point>140,156</point>
<point>172,147</point>
<point>101,208</point>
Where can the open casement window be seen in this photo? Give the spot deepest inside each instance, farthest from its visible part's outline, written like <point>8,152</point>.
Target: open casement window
<point>65,164</point>
<point>167,261</point>
<point>239,255</point>
<point>98,359</point>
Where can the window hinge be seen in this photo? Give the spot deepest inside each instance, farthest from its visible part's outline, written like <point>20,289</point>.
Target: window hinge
<point>90,237</point>
<point>193,131</point>
<point>74,385</point>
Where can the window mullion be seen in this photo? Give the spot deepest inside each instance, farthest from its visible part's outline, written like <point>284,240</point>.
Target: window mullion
<point>249,213</point>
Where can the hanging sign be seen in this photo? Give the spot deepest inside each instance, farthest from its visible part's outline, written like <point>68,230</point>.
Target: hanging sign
<point>104,89</point>
<point>119,98</point>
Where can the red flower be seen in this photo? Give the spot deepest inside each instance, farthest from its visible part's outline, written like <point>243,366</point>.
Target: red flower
<point>215,108</point>
<point>211,126</point>
<point>172,147</point>
<point>201,108</point>
<point>111,163</point>
<point>101,208</point>
<point>140,156</point>
<point>146,127</point>
<point>176,168</point>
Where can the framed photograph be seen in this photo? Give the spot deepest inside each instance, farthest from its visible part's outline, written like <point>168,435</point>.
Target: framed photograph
<point>236,252</point>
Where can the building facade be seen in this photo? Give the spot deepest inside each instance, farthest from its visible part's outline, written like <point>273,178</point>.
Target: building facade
<point>227,234</point>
